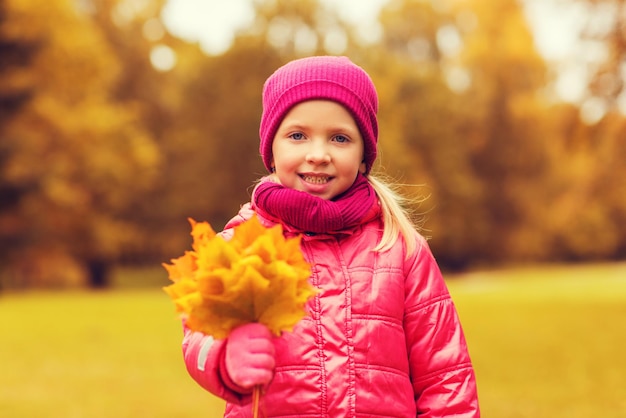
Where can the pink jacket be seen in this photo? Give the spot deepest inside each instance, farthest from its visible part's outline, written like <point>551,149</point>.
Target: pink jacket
<point>383,339</point>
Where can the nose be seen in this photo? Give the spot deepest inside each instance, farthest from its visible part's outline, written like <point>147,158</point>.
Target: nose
<point>318,152</point>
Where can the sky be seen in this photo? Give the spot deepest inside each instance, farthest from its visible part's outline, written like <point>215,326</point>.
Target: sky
<point>212,23</point>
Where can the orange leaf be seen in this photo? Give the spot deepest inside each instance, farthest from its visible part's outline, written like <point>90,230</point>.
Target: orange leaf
<point>257,276</point>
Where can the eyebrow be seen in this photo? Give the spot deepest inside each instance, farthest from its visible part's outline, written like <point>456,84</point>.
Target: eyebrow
<point>294,125</point>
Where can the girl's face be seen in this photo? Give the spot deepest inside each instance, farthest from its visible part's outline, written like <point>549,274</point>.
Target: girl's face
<point>318,149</point>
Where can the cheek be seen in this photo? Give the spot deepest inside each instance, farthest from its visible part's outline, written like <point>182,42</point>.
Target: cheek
<point>280,154</point>
<point>286,158</point>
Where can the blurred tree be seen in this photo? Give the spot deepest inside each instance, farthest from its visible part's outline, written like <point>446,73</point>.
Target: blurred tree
<point>16,54</point>
<point>605,32</point>
<point>113,132</point>
<point>295,29</point>
<point>588,204</point>
<point>83,154</point>
<point>586,197</point>
<point>503,125</point>
<point>210,148</point>
<point>421,117</point>
<point>15,91</point>
<point>460,104</point>
<point>154,68</point>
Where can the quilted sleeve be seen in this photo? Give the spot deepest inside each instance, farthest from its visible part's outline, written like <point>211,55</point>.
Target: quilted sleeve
<point>443,378</point>
<point>204,356</point>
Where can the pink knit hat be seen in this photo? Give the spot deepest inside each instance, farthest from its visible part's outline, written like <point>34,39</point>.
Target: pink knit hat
<point>320,77</point>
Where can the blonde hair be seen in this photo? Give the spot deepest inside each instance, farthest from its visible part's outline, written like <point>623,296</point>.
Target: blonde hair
<point>397,218</point>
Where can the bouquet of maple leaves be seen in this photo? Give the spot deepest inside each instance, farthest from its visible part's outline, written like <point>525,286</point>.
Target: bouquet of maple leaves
<point>256,276</point>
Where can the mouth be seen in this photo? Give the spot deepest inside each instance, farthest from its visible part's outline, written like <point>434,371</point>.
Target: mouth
<point>315,179</point>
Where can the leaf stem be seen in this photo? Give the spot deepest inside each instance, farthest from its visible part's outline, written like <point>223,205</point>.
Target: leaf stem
<point>256,396</point>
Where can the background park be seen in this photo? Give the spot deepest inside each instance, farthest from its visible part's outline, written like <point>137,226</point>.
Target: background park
<point>113,131</point>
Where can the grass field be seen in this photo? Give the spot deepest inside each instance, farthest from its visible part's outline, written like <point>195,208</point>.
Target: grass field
<point>546,342</point>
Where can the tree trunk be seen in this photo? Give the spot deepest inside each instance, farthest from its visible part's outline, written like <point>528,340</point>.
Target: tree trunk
<point>98,274</point>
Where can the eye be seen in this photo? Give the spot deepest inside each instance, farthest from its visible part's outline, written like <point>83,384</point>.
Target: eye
<point>297,136</point>
<point>341,138</point>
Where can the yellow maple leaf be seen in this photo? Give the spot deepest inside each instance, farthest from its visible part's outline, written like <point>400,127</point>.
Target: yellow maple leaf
<point>256,276</point>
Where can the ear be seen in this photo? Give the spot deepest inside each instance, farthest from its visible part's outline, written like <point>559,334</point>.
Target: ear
<point>362,168</point>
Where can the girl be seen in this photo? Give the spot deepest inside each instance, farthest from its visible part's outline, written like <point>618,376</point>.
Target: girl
<point>382,338</point>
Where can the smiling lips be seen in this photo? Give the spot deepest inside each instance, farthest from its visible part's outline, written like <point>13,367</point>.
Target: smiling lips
<point>315,179</point>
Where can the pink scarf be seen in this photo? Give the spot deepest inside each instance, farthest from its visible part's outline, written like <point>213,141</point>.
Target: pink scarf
<point>303,212</point>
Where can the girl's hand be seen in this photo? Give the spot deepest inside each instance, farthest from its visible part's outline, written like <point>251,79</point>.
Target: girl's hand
<point>250,356</point>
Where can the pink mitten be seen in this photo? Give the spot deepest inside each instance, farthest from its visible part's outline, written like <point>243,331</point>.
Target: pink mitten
<point>250,355</point>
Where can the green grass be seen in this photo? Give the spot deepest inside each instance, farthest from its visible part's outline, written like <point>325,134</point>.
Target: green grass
<point>546,342</point>
<point>95,355</point>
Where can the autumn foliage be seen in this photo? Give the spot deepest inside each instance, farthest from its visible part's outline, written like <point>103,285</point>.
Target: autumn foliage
<point>104,154</point>
<point>256,276</point>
